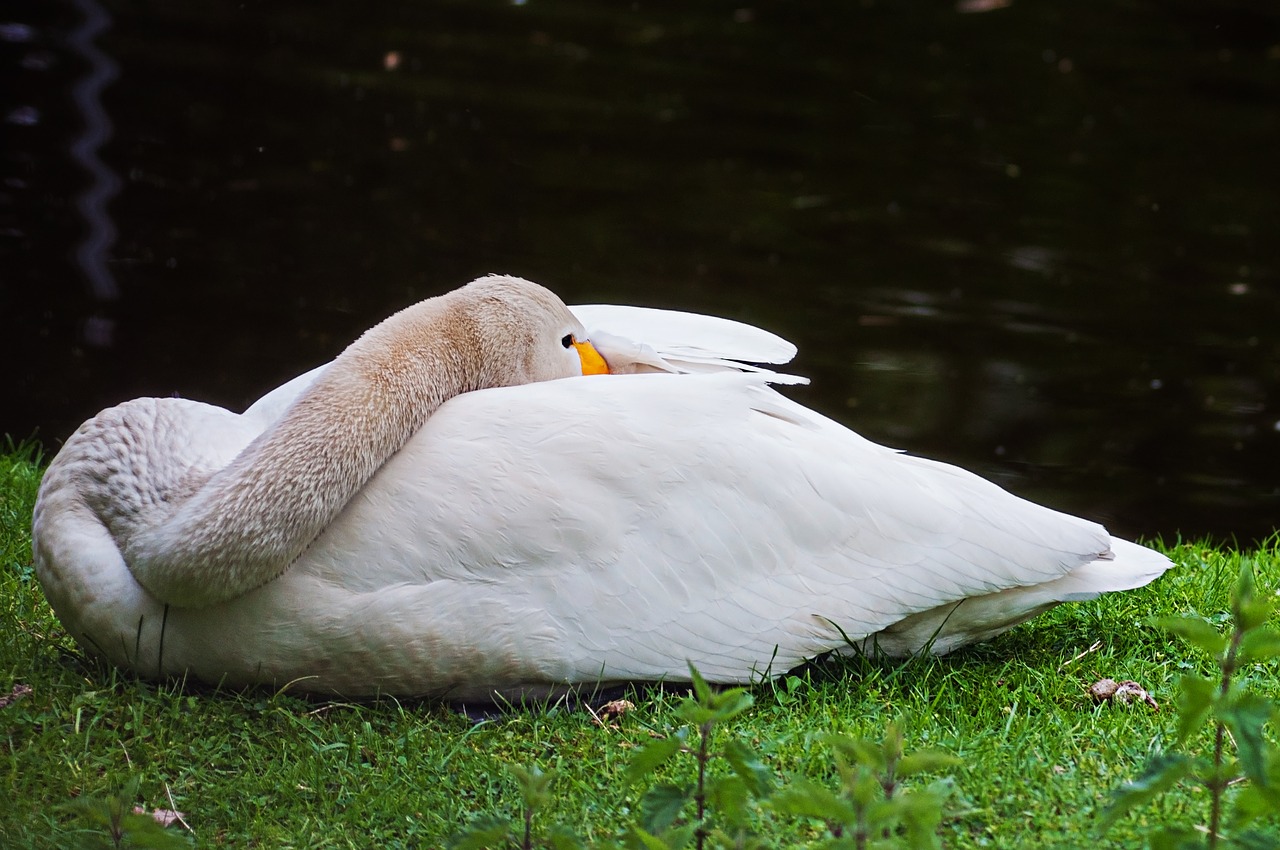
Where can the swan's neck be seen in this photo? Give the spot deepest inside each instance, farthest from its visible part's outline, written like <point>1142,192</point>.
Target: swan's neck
<point>250,520</point>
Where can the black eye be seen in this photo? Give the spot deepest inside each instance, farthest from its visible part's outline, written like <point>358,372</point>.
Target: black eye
<point>567,342</point>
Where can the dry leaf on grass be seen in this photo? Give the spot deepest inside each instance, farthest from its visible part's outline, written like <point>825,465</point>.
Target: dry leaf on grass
<point>611,711</point>
<point>164,817</point>
<point>19,691</point>
<point>1109,690</point>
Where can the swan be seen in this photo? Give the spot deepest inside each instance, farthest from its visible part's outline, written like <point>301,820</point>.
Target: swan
<point>480,499</point>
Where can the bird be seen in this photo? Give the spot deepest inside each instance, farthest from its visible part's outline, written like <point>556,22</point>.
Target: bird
<point>493,496</point>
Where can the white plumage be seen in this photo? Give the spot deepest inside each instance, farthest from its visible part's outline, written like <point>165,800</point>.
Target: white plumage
<point>603,528</point>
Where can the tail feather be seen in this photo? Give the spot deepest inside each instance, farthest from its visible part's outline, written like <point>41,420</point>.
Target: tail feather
<point>956,624</point>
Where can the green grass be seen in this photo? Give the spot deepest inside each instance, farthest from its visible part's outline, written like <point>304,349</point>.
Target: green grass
<point>274,770</point>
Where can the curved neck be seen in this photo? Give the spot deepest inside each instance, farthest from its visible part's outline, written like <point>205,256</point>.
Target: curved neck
<point>250,520</point>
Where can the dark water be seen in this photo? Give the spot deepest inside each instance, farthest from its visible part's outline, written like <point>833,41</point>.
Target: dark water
<point>1041,241</point>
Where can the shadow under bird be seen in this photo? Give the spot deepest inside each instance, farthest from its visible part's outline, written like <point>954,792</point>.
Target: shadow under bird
<point>491,494</point>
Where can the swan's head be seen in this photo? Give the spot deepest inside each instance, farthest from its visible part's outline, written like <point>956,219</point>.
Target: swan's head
<point>523,332</point>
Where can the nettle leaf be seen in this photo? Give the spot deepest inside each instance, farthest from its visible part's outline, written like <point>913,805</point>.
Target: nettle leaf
<point>484,832</point>
<point>661,805</point>
<point>1254,840</point>
<point>858,751</point>
<point>696,714</point>
<point>535,784</point>
<point>1253,614</point>
<point>805,798</point>
<point>652,755</point>
<point>1245,716</point>
<point>887,812</point>
<point>926,761</point>
<point>729,704</point>
<point>1253,802</point>
<point>642,840</point>
<point>1259,645</point>
<point>1162,773</point>
<point>892,744</point>
<point>701,690</point>
<point>1249,610</point>
<point>675,839</point>
<point>746,763</point>
<point>1175,838</point>
<point>1195,700</point>
<point>729,798</point>
<point>699,709</point>
<point>1196,631</point>
<point>562,837</point>
<point>865,788</point>
<point>921,815</point>
<point>144,831</point>
<point>678,838</point>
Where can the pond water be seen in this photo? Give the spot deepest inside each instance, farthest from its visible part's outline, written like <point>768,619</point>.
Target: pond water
<point>1036,241</point>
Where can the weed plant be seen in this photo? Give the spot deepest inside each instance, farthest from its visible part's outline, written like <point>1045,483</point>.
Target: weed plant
<point>868,809</point>
<point>1242,779</point>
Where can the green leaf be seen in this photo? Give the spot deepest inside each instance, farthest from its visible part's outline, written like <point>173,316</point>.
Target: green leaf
<point>144,831</point>
<point>858,751</point>
<point>729,799</point>
<point>1163,772</point>
<point>1245,716</point>
<point>1196,631</point>
<point>1249,610</point>
<point>745,762</point>
<point>1195,699</point>
<point>642,840</point>
<point>1254,840</point>
<point>1253,802</point>
<point>484,832</point>
<point>926,761</point>
<point>729,704</point>
<point>661,805</point>
<point>1259,645</point>
<point>673,839</point>
<point>921,815</point>
<point>701,690</point>
<point>805,798</point>
<point>1175,838</point>
<point>563,838</point>
<point>695,713</point>
<point>891,746</point>
<point>1253,614</point>
<point>865,788</point>
<point>651,756</point>
<point>534,785</point>
<point>677,838</point>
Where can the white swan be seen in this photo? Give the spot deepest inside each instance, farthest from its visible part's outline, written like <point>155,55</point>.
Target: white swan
<point>376,527</point>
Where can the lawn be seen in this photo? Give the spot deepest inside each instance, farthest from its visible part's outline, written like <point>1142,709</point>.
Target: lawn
<point>275,770</point>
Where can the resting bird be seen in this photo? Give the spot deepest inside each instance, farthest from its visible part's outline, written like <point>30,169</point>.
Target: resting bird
<point>480,499</point>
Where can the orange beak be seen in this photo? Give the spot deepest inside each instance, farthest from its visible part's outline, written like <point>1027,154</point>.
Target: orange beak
<point>592,362</point>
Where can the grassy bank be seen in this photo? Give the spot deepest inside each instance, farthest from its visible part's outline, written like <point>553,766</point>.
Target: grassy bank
<point>274,770</point>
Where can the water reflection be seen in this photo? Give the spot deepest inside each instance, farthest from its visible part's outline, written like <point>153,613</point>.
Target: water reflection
<point>91,254</point>
<point>1000,239</point>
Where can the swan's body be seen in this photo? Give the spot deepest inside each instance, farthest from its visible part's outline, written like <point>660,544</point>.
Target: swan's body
<point>601,529</point>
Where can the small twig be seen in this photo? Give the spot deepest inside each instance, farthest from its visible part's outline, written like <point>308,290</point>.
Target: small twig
<point>173,807</point>
<point>1097,644</point>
